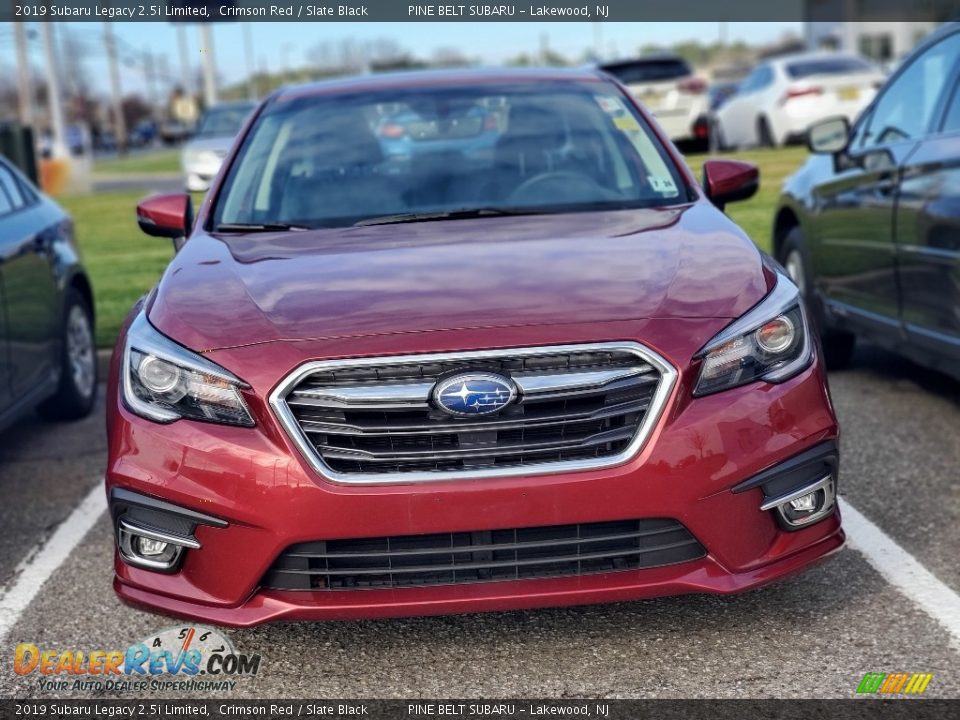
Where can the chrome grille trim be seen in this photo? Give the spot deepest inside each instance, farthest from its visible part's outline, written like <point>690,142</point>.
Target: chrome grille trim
<point>391,394</point>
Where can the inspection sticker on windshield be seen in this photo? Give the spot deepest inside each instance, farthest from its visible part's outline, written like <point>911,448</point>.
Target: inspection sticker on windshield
<point>610,104</point>
<point>662,184</point>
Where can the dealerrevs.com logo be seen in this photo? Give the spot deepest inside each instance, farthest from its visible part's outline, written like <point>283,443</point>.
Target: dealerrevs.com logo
<point>188,658</point>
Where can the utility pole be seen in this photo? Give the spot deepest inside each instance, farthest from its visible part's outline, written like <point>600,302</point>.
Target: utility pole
<point>209,65</point>
<point>24,75</point>
<point>251,70</point>
<point>185,80</point>
<point>54,104</point>
<point>151,77</point>
<point>285,49</point>
<point>119,121</point>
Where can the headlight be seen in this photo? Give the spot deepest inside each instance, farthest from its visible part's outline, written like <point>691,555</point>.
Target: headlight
<point>163,381</point>
<point>771,343</point>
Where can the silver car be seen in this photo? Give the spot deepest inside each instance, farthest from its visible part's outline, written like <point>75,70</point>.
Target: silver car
<point>204,153</point>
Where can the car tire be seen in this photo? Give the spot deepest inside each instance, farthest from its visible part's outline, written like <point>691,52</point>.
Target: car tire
<point>765,137</point>
<point>838,345</point>
<point>77,390</point>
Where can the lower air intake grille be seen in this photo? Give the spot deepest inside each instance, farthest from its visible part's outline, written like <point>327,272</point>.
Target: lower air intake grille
<point>485,556</point>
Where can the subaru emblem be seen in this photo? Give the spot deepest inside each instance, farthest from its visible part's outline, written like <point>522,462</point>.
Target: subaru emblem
<point>474,393</point>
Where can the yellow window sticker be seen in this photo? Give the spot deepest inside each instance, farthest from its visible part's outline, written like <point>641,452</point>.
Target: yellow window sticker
<point>626,122</point>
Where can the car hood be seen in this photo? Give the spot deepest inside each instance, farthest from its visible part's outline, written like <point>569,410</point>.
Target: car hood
<point>240,289</point>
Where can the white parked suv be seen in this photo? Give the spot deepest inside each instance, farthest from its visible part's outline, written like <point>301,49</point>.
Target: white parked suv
<point>783,97</point>
<point>667,87</point>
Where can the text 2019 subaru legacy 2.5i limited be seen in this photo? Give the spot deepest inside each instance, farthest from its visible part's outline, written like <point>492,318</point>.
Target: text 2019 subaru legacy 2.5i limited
<point>550,374</point>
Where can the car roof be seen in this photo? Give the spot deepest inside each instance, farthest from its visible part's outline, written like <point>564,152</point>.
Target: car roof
<point>231,104</point>
<point>437,78</point>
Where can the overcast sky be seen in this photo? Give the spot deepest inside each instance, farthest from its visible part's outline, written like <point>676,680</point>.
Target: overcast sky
<point>278,43</point>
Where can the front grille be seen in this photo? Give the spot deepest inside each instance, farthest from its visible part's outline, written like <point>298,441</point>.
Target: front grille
<point>485,556</point>
<point>375,419</point>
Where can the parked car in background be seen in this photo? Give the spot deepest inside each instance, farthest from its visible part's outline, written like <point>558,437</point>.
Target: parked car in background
<point>720,92</point>
<point>561,376</point>
<point>47,354</point>
<point>422,137</point>
<point>869,227</point>
<point>143,134</point>
<point>205,151</point>
<point>667,87</point>
<point>173,132</point>
<point>781,98</point>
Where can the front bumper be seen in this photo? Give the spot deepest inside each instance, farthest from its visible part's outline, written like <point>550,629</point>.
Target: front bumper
<point>255,481</point>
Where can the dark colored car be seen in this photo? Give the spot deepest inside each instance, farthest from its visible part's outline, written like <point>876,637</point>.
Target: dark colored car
<point>47,356</point>
<point>869,227</point>
<point>563,377</point>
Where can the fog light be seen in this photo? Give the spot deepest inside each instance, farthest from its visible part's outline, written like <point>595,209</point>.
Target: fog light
<point>150,547</point>
<point>805,505</point>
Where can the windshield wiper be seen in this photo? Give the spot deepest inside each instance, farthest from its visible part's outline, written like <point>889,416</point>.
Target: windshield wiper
<point>258,227</point>
<point>460,214</point>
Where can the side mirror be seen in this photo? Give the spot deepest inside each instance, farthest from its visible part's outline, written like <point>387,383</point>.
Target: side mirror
<point>168,216</point>
<point>829,137</point>
<point>726,181</point>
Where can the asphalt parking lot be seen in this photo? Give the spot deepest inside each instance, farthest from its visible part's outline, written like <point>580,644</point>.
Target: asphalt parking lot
<point>865,610</point>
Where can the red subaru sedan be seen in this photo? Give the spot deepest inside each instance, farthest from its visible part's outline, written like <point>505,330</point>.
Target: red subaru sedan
<point>456,342</point>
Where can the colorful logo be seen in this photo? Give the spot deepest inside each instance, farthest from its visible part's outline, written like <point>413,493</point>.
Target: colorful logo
<point>172,659</point>
<point>894,683</point>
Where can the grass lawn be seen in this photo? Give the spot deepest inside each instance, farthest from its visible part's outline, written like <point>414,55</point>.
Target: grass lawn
<point>124,263</point>
<point>755,215</point>
<point>145,163</point>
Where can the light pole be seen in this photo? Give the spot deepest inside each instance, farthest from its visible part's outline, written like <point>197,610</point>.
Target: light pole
<point>209,65</point>
<point>251,70</point>
<point>59,146</point>
<point>24,75</point>
<point>119,122</point>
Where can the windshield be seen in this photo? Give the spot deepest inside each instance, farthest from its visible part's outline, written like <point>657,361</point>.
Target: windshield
<point>835,65</point>
<point>223,121</point>
<point>429,153</point>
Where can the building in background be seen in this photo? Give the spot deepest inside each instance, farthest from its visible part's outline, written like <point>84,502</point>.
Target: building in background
<point>882,42</point>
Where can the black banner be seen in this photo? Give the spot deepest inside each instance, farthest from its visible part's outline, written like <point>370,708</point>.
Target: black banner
<point>431,11</point>
<point>903,709</point>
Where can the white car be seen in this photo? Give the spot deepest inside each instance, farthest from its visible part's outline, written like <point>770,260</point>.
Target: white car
<point>667,87</point>
<point>783,97</point>
<point>205,151</point>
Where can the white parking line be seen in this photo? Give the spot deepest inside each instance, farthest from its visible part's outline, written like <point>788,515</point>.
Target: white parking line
<point>903,571</point>
<point>40,564</point>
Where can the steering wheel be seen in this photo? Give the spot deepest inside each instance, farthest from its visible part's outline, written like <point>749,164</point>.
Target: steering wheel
<point>565,179</point>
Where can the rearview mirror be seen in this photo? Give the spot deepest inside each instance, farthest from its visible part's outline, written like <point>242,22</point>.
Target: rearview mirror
<point>169,216</point>
<point>726,181</point>
<point>829,137</point>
